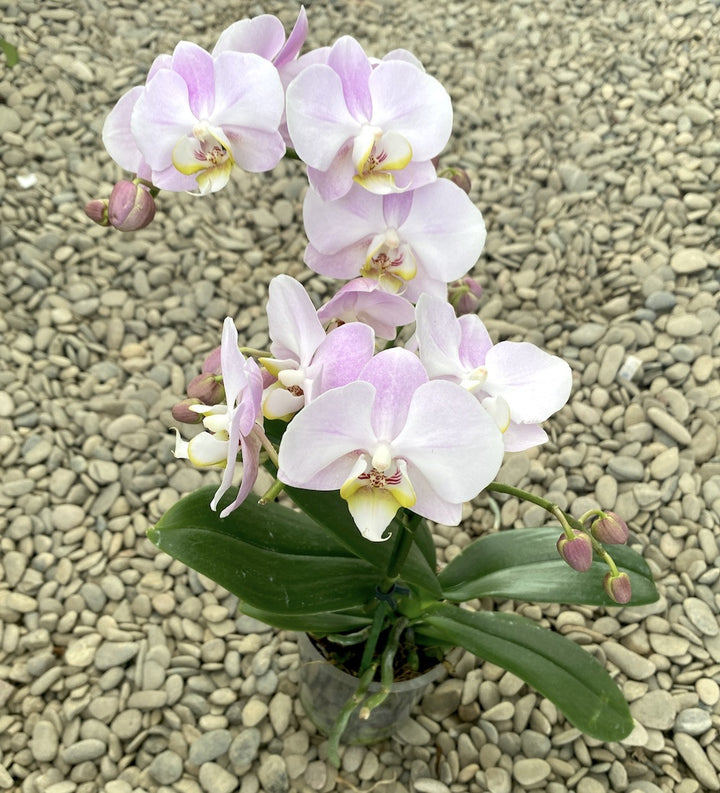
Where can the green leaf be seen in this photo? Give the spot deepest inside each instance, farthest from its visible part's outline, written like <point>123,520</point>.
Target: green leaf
<point>555,666</point>
<point>321,623</point>
<point>523,564</point>
<point>330,510</point>
<point>10,52</point>
<point>271,557</point>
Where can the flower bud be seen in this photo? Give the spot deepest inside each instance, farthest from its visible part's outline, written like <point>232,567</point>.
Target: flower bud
<point>131,207</point>
<point>97,211</point>
<point>610,529</point>
<point>182,413</point>
<point>207,389</point>
<point>212,363</point>
<point>459,177</point>
<point>464,296</point>
<point>578,553</point>
<point>618,587</point>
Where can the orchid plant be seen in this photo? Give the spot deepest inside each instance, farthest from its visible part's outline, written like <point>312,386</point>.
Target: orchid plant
<point>385,410</point>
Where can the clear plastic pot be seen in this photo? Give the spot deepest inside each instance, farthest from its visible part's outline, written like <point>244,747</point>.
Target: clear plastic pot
<point>324,689</point>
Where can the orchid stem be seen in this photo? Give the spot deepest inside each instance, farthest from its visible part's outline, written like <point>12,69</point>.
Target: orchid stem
<point>340,724</point>
<point>267,445</point>
<point>375,630</point>
<point>566,521</point>
<point>402,546</point>
<point>255,353</point>
<point>272,492</point>
<point>387,666</point>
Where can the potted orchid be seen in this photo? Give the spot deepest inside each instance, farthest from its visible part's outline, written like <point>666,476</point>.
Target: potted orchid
<point>380,413</point>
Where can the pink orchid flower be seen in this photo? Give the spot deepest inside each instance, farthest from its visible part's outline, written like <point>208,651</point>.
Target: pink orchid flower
<point>306,361</point>
<point>265,36</point>
<point>233,427</point>
<point>379,127</point>
<point>517,382</point>
<point>410,243</point>
<point>196,117</point>
<point>362,301</point>
<point>393,439</point>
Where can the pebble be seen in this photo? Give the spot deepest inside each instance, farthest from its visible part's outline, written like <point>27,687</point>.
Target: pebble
<point>166,767</point>
<point>273,775</point>
<point>688,260</point>
<point>531,771</point>
<point>655,710</point>
<point>209,746</point>
<point>692,753</point>
<point>699,613</point>
<point>215,779</point>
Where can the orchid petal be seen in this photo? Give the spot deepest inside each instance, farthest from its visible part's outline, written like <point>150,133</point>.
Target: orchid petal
<point>294,42</point>
<point>534,383</point>
<point>348,59</point>
<point>195,66</point>
<point>341,356</point>
<point>519,437</point>
<point>372,510</point>
<point>446,230</point>
<point>334,225</point>
<point>293,323</point>
<point>475,341</point>
<point>320,440</point>
<point>279,403</point>
<point>248,92</point>
<point>458,455</point>
<point>162,116</point>
<point>438,338</point>
<point>396,373</point>
<point>413,104</point>
<point>318,120</point>
<point>263,35</point>
<point>250,464</point>
<point>205,449</point>
<point>117,135</point>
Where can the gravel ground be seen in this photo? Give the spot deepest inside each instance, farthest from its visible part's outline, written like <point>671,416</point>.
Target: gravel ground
<point>590,132</point>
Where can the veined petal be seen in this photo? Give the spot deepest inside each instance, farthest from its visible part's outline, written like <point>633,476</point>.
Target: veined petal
<point>395,373</point>
<point>341,356</point>
<point>162,116</point>
<point>334,225</point>
<point>348,59</point>
<point>475,341</point>
<point>344,264</point>
<point>438,338</point>
<point>446,230</point>
<point>294,42</point>
<point>413,104</point>
<point>454,443</point>
<point>250,464</point>
<point>248,92</point>
<point>318,120</point>
<point>195,66</point>
<point>320,437</point>
<point>534,383</point>
<point>117,135</point>
<point>205,449</point>
<point>292,320</point>
<point>264,35</point>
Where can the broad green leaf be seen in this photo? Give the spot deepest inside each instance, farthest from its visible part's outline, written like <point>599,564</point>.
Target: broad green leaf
<point>322,623</point>
<point>523,564</point>
<point>330,510</point>
<point>555,666</point>
<point>271,557</point>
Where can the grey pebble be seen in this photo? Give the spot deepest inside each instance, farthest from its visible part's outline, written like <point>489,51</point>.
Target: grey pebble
<point>166,767</point>
<point>209,746</point>
<point>701,616</point>
<point>111,654</point>
<point>693,721</point>
<point>273,774</point>
<point>244,747</point>
<point>692,753</point>
<point>80,752</point>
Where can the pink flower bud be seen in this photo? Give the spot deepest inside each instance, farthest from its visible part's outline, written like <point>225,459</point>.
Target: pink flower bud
<point>182,413</point>
<point>207,388</point>
<point>97,211</point>
<point>618,587</point>
<point>578,553</point>
<point>610,529</point>
<point>459,177</point>
<point>131,207</point>
<point>212,364</point>
<point>464,296</point>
